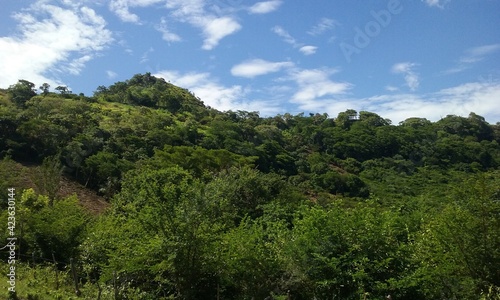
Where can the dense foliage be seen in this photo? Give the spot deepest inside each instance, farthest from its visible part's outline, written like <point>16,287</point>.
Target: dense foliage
<point>230,205</point>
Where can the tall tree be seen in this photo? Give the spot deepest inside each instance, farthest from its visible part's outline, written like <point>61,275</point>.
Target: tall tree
<point>21,92</point>
<point>63,90</point>
<point>45,88</point>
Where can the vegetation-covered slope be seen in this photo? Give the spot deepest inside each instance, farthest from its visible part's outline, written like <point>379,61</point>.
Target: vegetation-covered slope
<point>229,205</point>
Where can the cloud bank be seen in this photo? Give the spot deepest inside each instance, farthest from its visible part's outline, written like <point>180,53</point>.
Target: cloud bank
<point>51,41</point>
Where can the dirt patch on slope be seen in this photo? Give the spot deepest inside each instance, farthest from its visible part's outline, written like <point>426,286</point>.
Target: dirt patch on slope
<point>88,198</point>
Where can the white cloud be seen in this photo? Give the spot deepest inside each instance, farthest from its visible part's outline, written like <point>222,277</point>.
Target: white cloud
<point>399,107</point>
<point>472,56</point>
<point>256,67</point>
<point>411,78</point>
<point>315,90</point>
<point>402,67</point>
<point>187,8</point>
<point>436,3</point>
<point>76,65</point>
<point>391,88</point>
<point>167,35</point>
<point>287,38</point>
<point>121,8</point>
<point>214,22</point>
<point>111,74</point>
<point>214,28</point>
<point>323,25</point>
<point>285,35</point>
<point>308,50</point>
<point>477,54</point>
<point>412,81</point>
<point>457,69</point>
<point>265,7</point>
<point>51,40</point>
<point>145,55</point>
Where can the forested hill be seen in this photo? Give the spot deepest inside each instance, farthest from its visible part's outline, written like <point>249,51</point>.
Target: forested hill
<point>230,205</point>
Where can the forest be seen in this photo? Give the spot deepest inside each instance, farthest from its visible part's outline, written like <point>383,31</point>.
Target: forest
<point>141,191</point>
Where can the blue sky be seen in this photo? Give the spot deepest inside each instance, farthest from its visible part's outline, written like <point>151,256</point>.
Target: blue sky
<point>400,59</point>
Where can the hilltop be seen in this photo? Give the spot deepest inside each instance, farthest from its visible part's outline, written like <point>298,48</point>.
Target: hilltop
<point>297,206</point>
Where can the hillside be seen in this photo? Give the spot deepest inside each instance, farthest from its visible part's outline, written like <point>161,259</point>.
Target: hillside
<point>157,196</point>
<point>22,177</point>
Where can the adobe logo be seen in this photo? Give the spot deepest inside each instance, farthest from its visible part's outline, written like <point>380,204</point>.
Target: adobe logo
<point>363,36</point>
